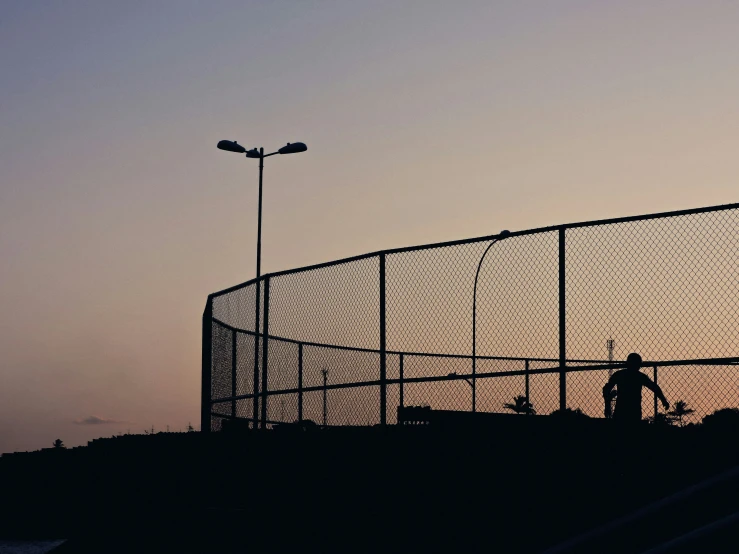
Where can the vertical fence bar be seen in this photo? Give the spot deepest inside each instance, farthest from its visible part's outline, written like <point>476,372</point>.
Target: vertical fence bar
<point>255,410</point>
<point>383,353</point>
<point>562,324</point>
<point>324,372</point>
<point>401,384</point>
<point>265,353</point>
<point>526,369</point>
<point>233,371</point>
<point>206,367</point>
<point>656,408</point>
<point>300,382</point>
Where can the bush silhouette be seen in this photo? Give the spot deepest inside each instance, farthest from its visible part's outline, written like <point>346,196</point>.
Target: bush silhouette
<point>725,419</point>
<point>569,413</point>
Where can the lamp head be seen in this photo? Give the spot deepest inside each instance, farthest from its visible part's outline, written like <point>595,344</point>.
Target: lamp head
<point>231,146</point>
<point>253,153</point>
<point>293,148</point>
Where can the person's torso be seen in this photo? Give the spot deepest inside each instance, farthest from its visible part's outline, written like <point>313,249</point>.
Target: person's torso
<point>629,385</point>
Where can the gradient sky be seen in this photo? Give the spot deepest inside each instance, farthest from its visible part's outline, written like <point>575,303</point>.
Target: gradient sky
<point>425,121</point>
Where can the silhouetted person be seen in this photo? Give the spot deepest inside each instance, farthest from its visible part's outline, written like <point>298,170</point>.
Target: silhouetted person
<point>629,382</point>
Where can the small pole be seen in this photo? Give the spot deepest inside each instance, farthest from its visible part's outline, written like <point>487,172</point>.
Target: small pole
<point>656,408</point>
<point>325,383</point>
<point>528,401</point>
<point>265,353</point>
<point>300,382</point>
<point>233,372</point>
<point>401,381</point>
<point>206,367</point>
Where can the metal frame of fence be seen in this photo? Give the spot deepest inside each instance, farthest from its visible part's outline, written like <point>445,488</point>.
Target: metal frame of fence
<point>663,284</point>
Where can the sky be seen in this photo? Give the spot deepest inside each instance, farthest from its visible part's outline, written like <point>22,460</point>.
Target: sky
<point>425,121</point>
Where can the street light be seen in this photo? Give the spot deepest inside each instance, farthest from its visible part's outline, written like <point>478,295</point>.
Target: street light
<point>233,146</point>
<point>501,236</point>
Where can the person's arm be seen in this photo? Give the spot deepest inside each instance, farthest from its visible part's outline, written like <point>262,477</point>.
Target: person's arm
<point>608,394</point>
<point>654,387</point>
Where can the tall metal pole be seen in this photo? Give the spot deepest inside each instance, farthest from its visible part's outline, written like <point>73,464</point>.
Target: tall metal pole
<point>265,354</point>
<point>383,345</point>
<point>255,413</point>
<point>562,324</point>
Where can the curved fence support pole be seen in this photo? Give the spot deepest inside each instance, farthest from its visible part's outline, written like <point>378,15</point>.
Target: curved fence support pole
<point>265,354</point>
<point>562,324</point>
<point>383,353</point>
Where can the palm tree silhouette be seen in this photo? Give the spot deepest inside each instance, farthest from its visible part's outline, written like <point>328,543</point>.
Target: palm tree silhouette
<point>661,419</point>
<point>520,405</point>
<point>679,411</point>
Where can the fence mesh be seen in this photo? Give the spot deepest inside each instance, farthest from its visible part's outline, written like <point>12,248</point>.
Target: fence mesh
<point>664,286</point>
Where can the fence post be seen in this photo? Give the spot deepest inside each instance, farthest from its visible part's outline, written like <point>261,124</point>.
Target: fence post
<point>562,324</point>
<point>255,390</point>
<point>656,408</point>
<point>300,382</point>
<point>383,353</point>
<point>265,353</point>
<point>233,371</point>
<point>206,367</point>
<point>401,384</point>
<point>526,369</point>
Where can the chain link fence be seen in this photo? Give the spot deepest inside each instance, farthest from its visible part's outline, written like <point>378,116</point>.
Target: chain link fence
<point>470,325</point>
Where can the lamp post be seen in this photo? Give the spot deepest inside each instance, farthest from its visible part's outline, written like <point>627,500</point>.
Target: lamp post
<point>233,146</point>
<point>501,236</point>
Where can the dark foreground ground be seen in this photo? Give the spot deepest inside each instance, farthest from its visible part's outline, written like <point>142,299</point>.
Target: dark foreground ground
<point>518,484</point>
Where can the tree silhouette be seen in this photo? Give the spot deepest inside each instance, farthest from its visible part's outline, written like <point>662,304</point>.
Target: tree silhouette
<point>58,443</point>
<point>520,405</point>
<point>679,411</point>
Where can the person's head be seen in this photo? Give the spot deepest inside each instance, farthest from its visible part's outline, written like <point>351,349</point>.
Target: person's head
<point>633,361</point>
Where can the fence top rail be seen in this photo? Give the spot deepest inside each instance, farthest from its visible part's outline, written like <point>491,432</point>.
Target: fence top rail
<point>399,352</point>
<point>488,375</point>
<point>537,230</point>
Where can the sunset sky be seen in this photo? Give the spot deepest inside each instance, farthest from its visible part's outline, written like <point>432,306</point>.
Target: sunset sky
<point>425,121</point>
